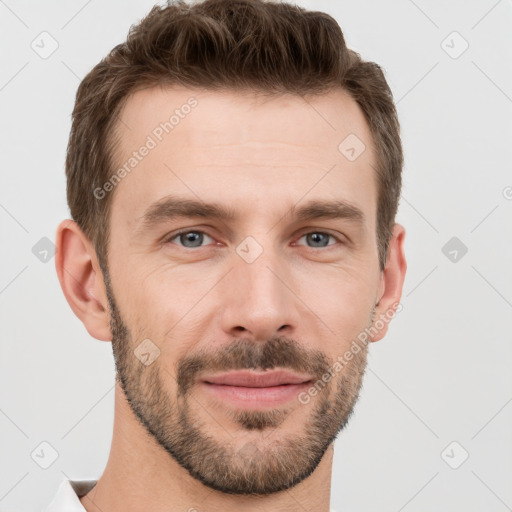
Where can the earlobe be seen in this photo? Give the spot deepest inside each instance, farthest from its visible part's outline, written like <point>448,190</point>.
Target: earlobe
<point>81,279</point>
<point>391,285</point>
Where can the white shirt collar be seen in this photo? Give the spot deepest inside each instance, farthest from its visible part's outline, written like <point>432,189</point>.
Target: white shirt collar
<point>67,497</point>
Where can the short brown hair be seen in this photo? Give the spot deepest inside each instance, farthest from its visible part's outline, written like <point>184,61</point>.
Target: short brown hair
<point>257,45</point>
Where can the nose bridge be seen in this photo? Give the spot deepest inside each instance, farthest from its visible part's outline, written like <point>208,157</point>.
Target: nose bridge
<point>260,303</point>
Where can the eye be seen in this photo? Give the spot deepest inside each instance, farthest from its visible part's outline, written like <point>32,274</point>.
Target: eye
<point>319,239</point>
<point>194,239</point>
<point>189,239</point>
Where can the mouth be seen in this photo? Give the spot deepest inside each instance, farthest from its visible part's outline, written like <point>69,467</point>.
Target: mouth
<point>256,389</point>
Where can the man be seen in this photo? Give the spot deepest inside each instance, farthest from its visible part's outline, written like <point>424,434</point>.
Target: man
<point>233,178</point>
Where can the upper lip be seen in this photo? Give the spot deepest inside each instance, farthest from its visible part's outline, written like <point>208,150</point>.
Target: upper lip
<point>257,379</point>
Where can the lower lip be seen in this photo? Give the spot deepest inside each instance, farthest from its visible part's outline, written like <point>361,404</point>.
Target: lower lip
<point>255,397</point>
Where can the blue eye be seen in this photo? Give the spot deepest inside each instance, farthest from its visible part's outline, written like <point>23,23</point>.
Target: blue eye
<point>319,239</point>
<point>190,239</point>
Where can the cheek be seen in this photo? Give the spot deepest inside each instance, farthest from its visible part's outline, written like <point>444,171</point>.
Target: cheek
<point>167,305</point>
<point>160,288</point>
<point>341,298</point>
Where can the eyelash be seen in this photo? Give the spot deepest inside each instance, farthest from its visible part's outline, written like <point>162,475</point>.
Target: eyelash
<point>185,231</point>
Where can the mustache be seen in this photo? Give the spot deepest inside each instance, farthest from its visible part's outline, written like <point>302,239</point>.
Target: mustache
<point>246,354</point>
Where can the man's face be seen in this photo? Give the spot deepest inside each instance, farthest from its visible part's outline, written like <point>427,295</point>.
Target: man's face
<point>263,290</point>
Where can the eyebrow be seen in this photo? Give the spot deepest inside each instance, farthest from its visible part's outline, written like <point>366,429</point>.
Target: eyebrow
<point>172,207</point>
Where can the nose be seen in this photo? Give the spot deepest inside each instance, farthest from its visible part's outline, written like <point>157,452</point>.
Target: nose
<point>259,302</point>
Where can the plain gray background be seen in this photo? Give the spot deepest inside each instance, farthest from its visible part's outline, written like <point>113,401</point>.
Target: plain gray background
<point>438,388</point>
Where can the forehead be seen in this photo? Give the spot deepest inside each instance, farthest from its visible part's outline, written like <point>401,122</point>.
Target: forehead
<point>328,117</point>
<point>242,149</point>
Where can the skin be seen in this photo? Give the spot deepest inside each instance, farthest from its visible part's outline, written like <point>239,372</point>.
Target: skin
<point>297,306</point>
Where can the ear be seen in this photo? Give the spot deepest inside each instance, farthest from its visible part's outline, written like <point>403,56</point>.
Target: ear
<point>81,279</point>
<point>391,284</point>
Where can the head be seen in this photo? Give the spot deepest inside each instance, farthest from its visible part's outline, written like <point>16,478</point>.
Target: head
<point>233,175</point>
